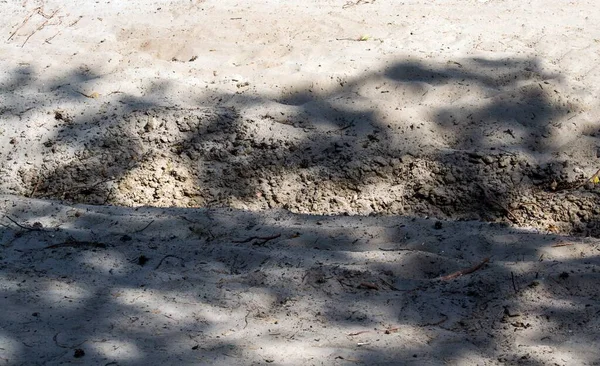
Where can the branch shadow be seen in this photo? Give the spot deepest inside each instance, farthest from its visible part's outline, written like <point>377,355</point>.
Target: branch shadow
<point>323,152</point>
<point>205,294</point>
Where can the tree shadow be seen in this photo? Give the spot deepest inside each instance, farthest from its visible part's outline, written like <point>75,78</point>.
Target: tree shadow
<point>223,155</point>
<point>205,294</point>
<point>320,152</point>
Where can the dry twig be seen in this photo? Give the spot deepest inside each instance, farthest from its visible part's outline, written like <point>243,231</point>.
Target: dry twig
<point>563,244</point>
<point>397,249</point>
<point>358,333</point>
<point>368,286</point>
<point>493,200</point>
<point>35,188</point>
<point>385,331</point>
<point>465,271</point>
<point>55,339</point>
<point>28,228</point>
<point>260,240</point>
<point>170,256</point>
<point>40,26</point>
<point>392,287</point>
<point>76,244</point>
<point>35,11</point>
<point>512,278</point>
<point>145,227</point>
<point>592,178</point>
<point>350,4</point>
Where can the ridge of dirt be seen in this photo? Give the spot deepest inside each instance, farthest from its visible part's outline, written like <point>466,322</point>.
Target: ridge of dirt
<point>205,157</point>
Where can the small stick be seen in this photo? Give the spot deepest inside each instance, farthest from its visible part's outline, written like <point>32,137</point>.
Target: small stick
<point>47,40</point>
<point>77,244</point>
<point>512,278</point>
<point>47,16</point>
<point>368,286</point>
<point>64,345</point>
<point>108,196</point>
<point>260,239</point>
<point>358,333</point>
<point>76,21</point>
<point>345,127</point>
<point>350,3</point>
<point>23,227</point>
<point>392,287</point>
<point>35,188</point>
<point>188,220</point>
<point>465,271</point>
<point>591,179</point>
<point>445,317</point>
<point>93,95</point>
<point>40,27</point>
<point>397,249</point>
<point>558,245</point>
<point>386,331</point>
<point>491,199</point>
<point>35,11</point>
<point>145,227</point>
<point>172,256</point>
<point>32,33</point>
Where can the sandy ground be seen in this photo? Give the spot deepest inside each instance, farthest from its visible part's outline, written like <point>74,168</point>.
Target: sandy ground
<point>367,149</point>
<point>191,286</point>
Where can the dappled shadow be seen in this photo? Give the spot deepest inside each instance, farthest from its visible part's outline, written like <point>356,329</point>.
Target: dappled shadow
<point>463,153</point>
<point>187,286</point>
<point>486,132</point>
<point>475,143</point>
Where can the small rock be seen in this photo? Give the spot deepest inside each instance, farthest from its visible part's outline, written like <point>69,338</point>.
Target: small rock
<point>488,159</point>
<point>423,191</point>
<point>449,178</point>
<point>381,161</point>
<point>405,159</point>
<point>475,155</point>
<point>151,125</point>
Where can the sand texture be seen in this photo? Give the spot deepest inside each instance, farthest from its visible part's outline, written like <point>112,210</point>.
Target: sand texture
<point>322,182</point>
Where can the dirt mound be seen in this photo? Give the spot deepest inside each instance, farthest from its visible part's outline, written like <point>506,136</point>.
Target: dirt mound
<point>218,158</point>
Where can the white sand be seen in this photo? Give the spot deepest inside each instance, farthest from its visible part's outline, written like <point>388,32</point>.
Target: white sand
<point>319,107</point>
